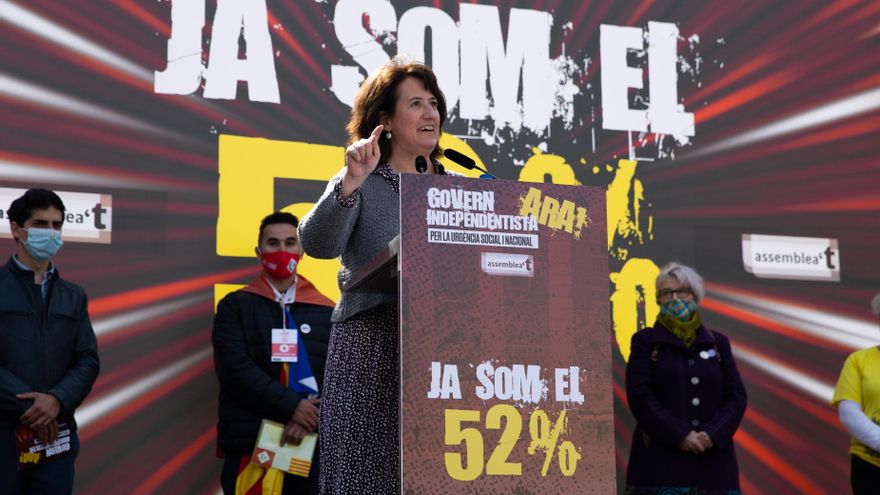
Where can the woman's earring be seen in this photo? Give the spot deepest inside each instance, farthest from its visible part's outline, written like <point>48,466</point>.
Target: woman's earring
<point>388,135</point>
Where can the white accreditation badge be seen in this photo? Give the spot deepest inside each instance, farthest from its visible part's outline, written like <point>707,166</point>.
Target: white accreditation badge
<point>284,345</point>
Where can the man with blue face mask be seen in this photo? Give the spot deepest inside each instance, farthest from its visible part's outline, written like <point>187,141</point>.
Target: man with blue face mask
<point>48,353</point>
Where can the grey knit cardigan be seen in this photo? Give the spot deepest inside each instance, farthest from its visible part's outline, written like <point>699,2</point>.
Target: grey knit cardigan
<point>353,234</point>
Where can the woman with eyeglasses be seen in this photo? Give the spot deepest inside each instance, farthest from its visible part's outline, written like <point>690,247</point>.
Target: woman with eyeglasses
<point>687,397</point>
<point>857,398</point>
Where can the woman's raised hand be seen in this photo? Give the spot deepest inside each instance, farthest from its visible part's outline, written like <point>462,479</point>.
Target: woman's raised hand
<point>362,156</point>
<point>361,159</point>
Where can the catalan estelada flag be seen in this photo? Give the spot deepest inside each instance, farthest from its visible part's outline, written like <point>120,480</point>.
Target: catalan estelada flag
<point>298,375</point>
<point>254,479</point>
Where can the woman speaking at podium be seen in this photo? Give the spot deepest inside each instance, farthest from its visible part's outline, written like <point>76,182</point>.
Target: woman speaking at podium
<point>394,128</point>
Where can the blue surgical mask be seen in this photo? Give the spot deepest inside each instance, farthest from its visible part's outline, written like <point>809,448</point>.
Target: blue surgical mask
<point>678,309</point>
<point>42,244</point>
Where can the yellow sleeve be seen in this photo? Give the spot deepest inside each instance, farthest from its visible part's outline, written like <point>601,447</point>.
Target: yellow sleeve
<point>849,385</point>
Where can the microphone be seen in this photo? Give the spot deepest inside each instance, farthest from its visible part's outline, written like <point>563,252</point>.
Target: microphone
<point>465,161</point>
<point>421,164</point>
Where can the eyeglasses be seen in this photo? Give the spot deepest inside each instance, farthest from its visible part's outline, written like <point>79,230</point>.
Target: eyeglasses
<point>680,292</point>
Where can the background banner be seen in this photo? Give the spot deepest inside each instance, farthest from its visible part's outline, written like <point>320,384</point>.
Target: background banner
<point>703,121</point>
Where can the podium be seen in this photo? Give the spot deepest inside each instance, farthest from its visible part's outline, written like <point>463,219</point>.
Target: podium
<point>380,274</point>
<point>505,336</point>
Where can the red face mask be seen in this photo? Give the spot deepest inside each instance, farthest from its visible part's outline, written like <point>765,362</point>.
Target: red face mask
<point>279,265</point>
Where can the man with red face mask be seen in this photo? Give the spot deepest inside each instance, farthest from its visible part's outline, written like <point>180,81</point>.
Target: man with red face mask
<point>259,380</point>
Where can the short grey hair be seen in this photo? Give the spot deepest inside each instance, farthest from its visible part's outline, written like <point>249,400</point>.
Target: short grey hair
<point>685,275</point>
<point>875,305</point>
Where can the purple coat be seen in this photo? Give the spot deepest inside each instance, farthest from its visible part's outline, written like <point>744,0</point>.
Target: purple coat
<point>672,390</point>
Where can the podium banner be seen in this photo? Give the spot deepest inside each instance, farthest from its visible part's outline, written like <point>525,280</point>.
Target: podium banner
<point>505,338</point>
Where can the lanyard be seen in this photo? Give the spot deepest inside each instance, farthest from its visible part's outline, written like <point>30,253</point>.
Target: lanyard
<point>284,300</point>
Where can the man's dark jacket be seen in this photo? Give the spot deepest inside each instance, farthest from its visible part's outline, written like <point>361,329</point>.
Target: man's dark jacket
<point>250,390</point>
<point>44,347</point>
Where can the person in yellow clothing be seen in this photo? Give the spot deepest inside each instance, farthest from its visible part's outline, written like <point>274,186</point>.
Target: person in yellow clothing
<point>857,398</point>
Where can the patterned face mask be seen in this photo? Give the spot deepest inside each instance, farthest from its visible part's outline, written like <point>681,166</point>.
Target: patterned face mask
<point>678,309</point>
<point>280,265</point>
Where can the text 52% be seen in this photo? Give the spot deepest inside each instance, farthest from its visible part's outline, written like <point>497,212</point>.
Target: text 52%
<point>545,436</point>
